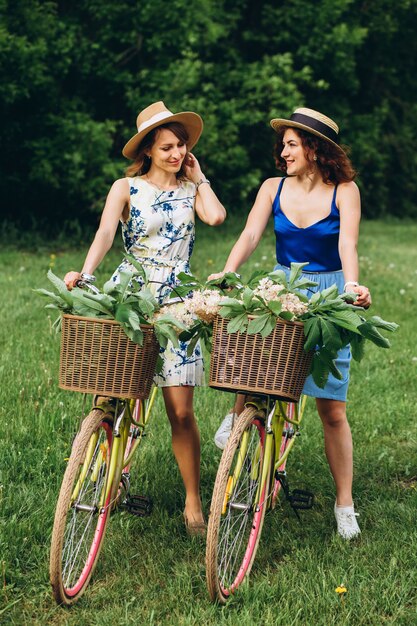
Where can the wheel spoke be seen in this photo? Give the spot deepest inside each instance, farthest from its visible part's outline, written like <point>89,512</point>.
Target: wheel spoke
<point>80,529</point>
<point>238,517</point>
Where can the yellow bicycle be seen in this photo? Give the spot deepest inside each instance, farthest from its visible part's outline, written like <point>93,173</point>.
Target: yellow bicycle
<point>96,481</point>
<point>97,357</point>
<point>250,477</point>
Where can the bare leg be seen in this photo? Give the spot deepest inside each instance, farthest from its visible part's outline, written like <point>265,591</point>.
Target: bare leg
<point>185,445</point>
<point>338,446</point>
<point>239,403</point>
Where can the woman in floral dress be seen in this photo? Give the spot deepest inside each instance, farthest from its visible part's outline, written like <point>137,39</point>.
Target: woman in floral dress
<point>155,205</point>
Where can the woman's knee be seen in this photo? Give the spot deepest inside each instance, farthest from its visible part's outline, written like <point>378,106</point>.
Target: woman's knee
<point>332,412</point>
<point>181,417</point>
<point>179,407</point>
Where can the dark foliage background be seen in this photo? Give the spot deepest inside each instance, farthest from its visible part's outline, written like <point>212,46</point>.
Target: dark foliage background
<point>73,76</point>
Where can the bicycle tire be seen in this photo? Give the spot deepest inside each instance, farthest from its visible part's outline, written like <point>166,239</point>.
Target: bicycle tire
<point>235,522</point>
<point>79,527</point>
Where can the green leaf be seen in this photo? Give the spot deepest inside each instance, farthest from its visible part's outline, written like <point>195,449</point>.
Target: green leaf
<point>315,298</point>
<point>312,332</point>
<point>247,297</point>
<point>319,371</point>
<point>286,315</point>
<point>369,331</point>
<point>295,272</point>
<point>191,346</point>
<point>228,280</point>
<point>258,323</point>
<point>61,287</point>
<point>166,330</point>
<point>110,287</point>
<point>279,277</point>
<point>159,364</point>
<point>187,279</point>
<point>347,319</point>
<point>180,291</point>
<point>90,301</point>
<point>271,322</point>
<point>134,335</point>
<point>170,319</point>
<point>304,283</point>
<point>357,346</point>
<point>331,335</point>
<point>380,323</point>
<point>330,292</point>
<point>104,300</point>
<point>125,315</point>
<point>140,270</point>
<point>275,306</point>
<point>238,324</point>
<point>256,277</point>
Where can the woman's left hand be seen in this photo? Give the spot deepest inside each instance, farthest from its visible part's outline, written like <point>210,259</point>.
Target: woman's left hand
<point>192,168</point>
<point>364,296</point>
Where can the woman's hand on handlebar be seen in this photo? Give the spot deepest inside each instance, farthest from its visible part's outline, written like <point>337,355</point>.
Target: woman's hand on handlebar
<point>71,279</point>
<point>218,276</point>
<point>364,296</point>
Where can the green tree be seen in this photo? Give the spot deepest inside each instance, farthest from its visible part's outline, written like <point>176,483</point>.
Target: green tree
<point>74,75</point>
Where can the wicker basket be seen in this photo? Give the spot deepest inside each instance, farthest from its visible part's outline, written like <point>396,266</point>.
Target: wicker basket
<point>276,365</point>
<point>98,357</point>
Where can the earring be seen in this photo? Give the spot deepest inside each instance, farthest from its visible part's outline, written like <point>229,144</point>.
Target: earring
<point>315,157</point>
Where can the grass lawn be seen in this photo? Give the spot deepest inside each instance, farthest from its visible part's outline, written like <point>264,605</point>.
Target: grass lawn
<point>149,571</point>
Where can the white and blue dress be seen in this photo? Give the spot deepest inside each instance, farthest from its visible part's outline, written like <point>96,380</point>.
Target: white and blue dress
<point>318,245</point>
<point>159,232</point>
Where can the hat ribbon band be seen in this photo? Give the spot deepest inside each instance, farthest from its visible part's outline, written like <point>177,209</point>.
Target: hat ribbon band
<point>154,119</point>
<point>315,125</point>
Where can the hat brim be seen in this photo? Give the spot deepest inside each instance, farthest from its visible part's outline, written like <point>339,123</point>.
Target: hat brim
<point>192,122</point>
<point>278,123</point>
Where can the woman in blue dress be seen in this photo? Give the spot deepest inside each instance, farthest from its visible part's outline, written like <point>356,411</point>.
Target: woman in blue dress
<point>316,211</point>
<point>155,205</point>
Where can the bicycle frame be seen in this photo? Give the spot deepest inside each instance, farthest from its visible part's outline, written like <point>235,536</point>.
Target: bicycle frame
<point>134,412</point>
<point>279,415</point>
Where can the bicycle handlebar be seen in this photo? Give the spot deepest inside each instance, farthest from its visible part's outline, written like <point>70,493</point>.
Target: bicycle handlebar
<point>86,282</point>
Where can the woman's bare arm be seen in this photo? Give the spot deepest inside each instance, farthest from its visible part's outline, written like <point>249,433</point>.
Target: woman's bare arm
<point>116,201</point>
<point>349,203</point>
<point>255,226</point>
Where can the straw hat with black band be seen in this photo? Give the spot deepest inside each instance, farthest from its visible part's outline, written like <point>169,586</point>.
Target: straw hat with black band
<point>313,122</point>
<point>156,115</point>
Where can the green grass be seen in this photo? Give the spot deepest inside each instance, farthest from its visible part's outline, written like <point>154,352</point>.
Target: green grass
<point>149,571</point>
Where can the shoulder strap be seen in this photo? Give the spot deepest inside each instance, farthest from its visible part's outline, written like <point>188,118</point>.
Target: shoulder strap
<point>280,186</point>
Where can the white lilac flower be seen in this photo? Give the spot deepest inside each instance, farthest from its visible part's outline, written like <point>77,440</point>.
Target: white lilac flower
<point>205,304</point>
<point>179,311</point>
<point>292,303</point>
<point>268,290</point>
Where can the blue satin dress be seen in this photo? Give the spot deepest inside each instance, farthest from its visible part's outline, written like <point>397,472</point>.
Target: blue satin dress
<point>318,245</point>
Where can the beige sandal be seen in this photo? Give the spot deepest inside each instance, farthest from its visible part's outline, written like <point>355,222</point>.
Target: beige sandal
<point>193,528</point>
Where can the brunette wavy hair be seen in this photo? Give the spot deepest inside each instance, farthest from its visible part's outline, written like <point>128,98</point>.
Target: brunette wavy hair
<point>142,163</point>
<point>334,165</point>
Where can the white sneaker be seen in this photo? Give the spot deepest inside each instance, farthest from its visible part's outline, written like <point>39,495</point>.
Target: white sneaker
<point>347,526</point>
<point>224,430</point>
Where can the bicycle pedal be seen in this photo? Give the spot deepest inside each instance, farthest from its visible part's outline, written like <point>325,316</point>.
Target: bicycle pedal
<point>141,506</point>
<point>301,499</point>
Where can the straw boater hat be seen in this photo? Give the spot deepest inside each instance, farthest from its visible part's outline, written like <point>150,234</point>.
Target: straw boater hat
<point>157,114</point>
<point>313,122</point>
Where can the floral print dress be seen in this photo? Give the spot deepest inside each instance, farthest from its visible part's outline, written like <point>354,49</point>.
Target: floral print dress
<point>159,232</point>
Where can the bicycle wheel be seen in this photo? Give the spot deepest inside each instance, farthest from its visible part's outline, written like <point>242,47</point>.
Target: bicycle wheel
<point>238,507</point>
<point>82,514</point>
